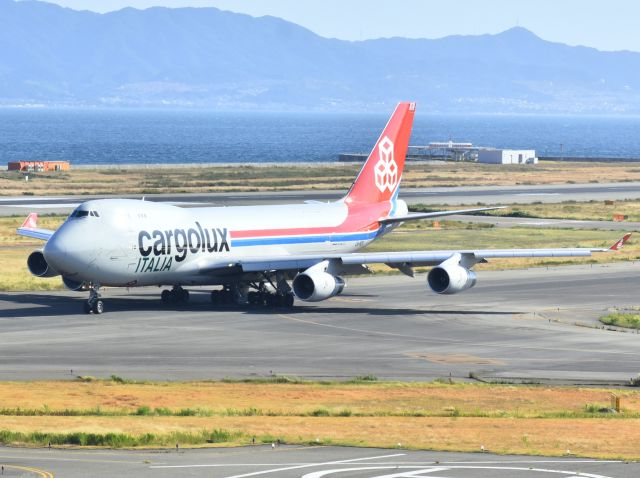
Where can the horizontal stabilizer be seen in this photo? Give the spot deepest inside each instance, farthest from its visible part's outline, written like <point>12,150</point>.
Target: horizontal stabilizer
<point>428,215</point>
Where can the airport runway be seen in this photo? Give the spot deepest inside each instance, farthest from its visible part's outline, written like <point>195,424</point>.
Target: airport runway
<point>514,325</point>
<point>448,195</point>
<point>302,462</point>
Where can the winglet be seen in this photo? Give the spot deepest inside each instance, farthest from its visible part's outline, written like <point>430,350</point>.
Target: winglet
<point>621,242</point>
<point>31,222</point>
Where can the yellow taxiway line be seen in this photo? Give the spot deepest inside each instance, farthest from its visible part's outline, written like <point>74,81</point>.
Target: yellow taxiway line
<point>41,473</point>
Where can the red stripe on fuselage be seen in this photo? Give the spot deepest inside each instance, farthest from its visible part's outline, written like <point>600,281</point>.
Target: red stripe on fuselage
<point>360,218</point>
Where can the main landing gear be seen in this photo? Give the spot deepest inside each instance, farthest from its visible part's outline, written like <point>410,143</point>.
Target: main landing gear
<point>177,295</point>
<point>260,294</point>
<point>94,305</point>
<point>229,296</point>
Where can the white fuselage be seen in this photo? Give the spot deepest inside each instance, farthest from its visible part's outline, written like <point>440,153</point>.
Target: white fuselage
<point>123,242</point>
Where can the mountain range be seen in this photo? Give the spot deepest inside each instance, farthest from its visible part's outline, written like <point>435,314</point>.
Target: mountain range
<point>208,58</point>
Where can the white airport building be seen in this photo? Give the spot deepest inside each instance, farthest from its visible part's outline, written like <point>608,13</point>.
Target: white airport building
<point>450,151</point>
<point>507,156</point>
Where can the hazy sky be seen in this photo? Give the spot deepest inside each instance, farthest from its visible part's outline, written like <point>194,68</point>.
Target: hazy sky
<point>606,25</point>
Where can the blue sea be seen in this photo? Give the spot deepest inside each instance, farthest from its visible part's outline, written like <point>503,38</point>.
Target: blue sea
<point>159,136</point>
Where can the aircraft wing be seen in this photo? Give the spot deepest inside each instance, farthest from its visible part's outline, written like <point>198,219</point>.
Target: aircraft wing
<point>404,261</point>
<point>429,215</point>
<point>30,228</point>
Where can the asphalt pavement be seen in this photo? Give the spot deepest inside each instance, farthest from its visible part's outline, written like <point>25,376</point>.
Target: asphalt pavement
<point>512,324</point>
<point>301,462</point>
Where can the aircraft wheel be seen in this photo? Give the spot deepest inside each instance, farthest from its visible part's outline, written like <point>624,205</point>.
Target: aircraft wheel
<point>288,300</point>
<point>165,296</point>
<point>98,307</point>
<point>226,297</point>
<point>87,307</point>
<point>183,296</point>
<point>255,298</point>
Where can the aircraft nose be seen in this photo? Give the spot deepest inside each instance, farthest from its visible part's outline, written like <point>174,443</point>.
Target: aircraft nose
<point>55,252</point>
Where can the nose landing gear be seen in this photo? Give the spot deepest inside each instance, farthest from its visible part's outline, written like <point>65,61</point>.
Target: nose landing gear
<point>94,305</point>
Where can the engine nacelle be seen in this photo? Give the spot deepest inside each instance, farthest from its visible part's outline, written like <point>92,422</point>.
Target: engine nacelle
<point>74,285</point>
<point>39,266</point>
<point>314,285</point>
<point>450,278</point>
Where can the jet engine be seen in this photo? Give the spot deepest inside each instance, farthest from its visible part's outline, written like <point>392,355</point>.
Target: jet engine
<point>39,266</point>
<point>315,284</point>
<point>450,277</point>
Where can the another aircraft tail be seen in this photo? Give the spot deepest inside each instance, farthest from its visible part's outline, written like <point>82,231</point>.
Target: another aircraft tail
<point>31,222</point>
<point>380,176</point>
<point>621,242</point>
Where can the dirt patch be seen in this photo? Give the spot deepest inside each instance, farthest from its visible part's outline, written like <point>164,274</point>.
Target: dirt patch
<point>456,359</point>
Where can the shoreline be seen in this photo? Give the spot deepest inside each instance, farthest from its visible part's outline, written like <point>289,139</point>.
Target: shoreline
<point>361,157</point>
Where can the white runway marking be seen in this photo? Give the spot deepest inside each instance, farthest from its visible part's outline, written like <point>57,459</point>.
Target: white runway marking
<point>285,468</point>
<point>406,469</point>
<point>73,205</point>
<point>417,471</point>
<point>535,223</point>
<point>30,198</point>
<point>407,474</point>
<point>45,206</point>
<point>538,194</point>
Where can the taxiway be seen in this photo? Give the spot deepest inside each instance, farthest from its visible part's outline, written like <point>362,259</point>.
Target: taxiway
<point>514,325</point>
<point>301,462</point>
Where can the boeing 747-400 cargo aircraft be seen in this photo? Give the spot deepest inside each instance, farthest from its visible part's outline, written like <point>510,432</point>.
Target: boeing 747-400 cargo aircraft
<point>257,254</point>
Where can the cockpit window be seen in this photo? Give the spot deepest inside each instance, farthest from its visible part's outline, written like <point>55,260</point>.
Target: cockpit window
<point>83,213</point>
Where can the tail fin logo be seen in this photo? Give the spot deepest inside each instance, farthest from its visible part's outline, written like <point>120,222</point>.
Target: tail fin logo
<point>386,168</point>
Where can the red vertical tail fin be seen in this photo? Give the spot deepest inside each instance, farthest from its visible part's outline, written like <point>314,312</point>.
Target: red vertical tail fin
<point>380,176</point>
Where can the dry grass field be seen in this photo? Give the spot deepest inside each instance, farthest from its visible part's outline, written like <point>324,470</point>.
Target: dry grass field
<point>590,437</point>
<point>503,419</point>
<point>14,251</point>
<point>149,180</point>
<point>108,397</point>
